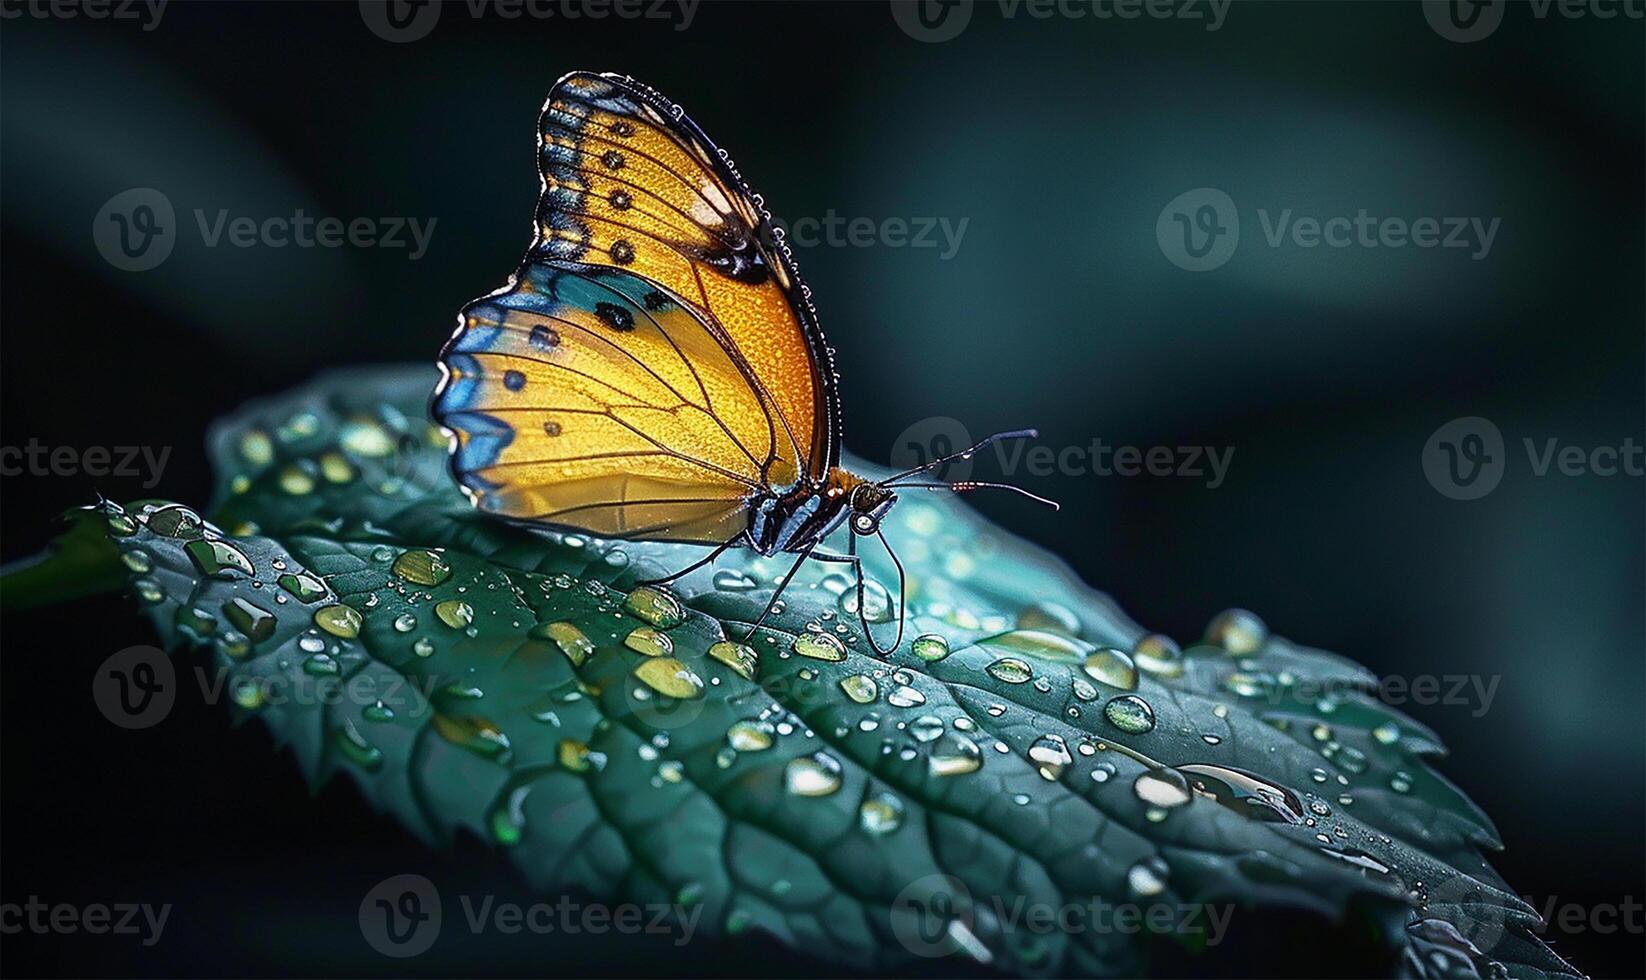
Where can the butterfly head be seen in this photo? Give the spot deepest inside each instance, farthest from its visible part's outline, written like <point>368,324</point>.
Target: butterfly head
<point>869,503</point>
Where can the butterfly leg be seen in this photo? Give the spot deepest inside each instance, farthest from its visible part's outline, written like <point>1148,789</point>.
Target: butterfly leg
<point>694,566</point>
<point>852,559</point>
<point>780,587</point>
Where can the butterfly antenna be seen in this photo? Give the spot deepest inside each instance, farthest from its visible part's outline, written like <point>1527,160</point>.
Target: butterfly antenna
<point>962,486</point>
<point>964,453</point>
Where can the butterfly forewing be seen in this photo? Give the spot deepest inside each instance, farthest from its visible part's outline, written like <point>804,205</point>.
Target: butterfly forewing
<point>654,364</point>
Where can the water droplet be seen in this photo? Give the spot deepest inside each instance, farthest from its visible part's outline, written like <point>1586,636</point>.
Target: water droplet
<point>926,728</point>
<point>321,665</point>
<point>1238,631</point>
<point>311,643</point>
<point>335,468</point>
<point>732,580</point>
<point>1083,689</point>
<point>655,606</point>
<point>1162,787</point>
<point>752,735</point>
<point>247,693</point>
<point>421,567</point>
<point>575,756</point>
<point>1249,685</point>
<point>340,621</point>
<point>1102,772</point>
<point>1401,782</point>
<point>651,642</point>
<point>1010,670</point>
<point>812,775</point>
<point>860,688</point>
<point>1049,617</point>
<point>819,646</point>
<point>305,587</point>
<point>878,606</point>
<point>671,771</point>
<point>176,521</point>
<point>1050,754</point>
<point>954,755</point>
<point>1386,734</point>
<point>1147,877</point>
<point>740,657</point>
<point>137,560</point>
<point>1130,714</point>
<point>296,480</point>
<point>455,613</point>
<point>377,711</point>
<point>670,678</point>
<point>905,697</point>
<point>1111,667</point>
<point>930,647</point>
<point>196,621</point>
<point>234,644</point>
<point>1159,654</point>
<point>568,638</point>
<point>423,647</point>
<point>254,621</point>
<point>121,525</point>
<point>880,814</point>
<point>256,447</point>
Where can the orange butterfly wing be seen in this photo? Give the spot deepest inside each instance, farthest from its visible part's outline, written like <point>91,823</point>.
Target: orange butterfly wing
<point>655,363</point>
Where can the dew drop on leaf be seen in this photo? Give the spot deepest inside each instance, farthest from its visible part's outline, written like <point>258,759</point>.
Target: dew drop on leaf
<point>1130,714</point>
<point>651,642</point>
<point>1112,667</point>
<point>930,647</point>
<point>861,688</point>
<point>954,755</point>
<point>655,606</point>
<point>421,567</point>
<point>812,775</point>
<point>740,657</point>
<point>1010,670</point>
<point>1238,631</point>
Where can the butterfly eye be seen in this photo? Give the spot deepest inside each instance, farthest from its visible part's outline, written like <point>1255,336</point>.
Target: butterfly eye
<point>865,523</point>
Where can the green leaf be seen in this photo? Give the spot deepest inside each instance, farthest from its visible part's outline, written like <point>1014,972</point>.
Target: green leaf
<point>1033,746</point>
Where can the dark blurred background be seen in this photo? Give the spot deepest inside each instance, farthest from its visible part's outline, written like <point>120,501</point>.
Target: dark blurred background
<point>1058,142</point>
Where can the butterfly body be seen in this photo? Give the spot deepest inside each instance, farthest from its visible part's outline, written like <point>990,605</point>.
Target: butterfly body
<point>654,369</point>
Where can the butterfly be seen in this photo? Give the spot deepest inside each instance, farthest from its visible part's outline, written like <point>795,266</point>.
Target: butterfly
<point>654,370</point>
